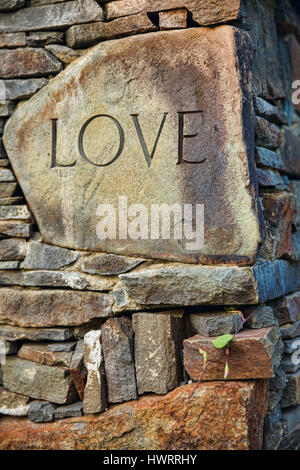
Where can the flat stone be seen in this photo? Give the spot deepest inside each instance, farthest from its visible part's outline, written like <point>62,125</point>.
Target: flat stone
<point>268,158</point>
<point>15,333</point>
<point>15,229</point>
<point>6,175</point>
<point>291,394</point>
<point>13,404</point>
<point>157,348</point>
<point>15,213</point>
<point>296,245</point>
<point>117,344</point>
<point>279,381</point>
<point>8,265</point>
<point>52,384</point>
<point>90,34</point>
<point>274,397</point>
<point>42,256</point>
<point>7,189</point>
<point>197,285</point>
<point>42,278</point>
<point>63,53</point>
<point>10,201</point>
<point>267,134</point>
<point>295,190</point>
<point>26,62</point>
<point>22,88</point>
<point>289,149</point>
<point>41,411</point>
<point>250,356</point>
<point>216,323</point>
<point>40,353</point>
<point>69,411</point>
<point>53,307</point>
<point>204,13</point>
<point>227,229</point>
<point>4,162</point>
<point>1,376</point>
<point>262,318</point>
<point>51,16</point>
<point>42,38</point>
<point>291,345</point>
<point>291,418</point>
<point>6,108</point>
<point>272,179</point>
<point>215,416</point>
<point>294,54</point>
<point>272,419</point>
<point>38,3</point>
<point>290,330</point>
<point>270,112</point>
<point>12,39</point>
<point>273,437</point>
<point>7,5</point>
<point>287,308</point>
<point>95,393</point>
<point>289,365</point>
<point>173,19</point>
<point>78,370</point>
<point>109,264</point>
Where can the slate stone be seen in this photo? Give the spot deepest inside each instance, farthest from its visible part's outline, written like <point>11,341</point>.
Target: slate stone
<point>15,229</point>
<point>294,48</point>
<point>117,344</point>
<point>42,256</point>
<point>69,411</point>
<point>188,418</point>
<point>78,370</point>
<point>42,38</point>
<point>295,189</point>
<point>287,308</point>
<point>40,353</point>
<point>296,245</point>
<point>38,381</point>
<point>63,53</point>
<point>12,249</point>
<point>95,392</point>
<point>291,394</point>
<point>23,88</point>
<point>268,158</point>
<point>273,437</point>
<point>290,145</point>
<point>15,213</point>
<point>272,419</point>
<point>291,418</point>
<point>8,347</point>
<point>6,175</point>
<point>171,183</point>
<point>215,323</point>
<point>7,189</point>
<point>250,357</point>
<point>291,345</point>
<point>157,348</point>
<point>41,411</point>
<point>270,112</point>
<point>262,318</point>
<point>274,397</point>
<point>267,134</point>
<point>290,330</point>
<point>58,307</point>
<point>289,365</point>
<point>173,19</point>
<point>15,333</point>
<point>12,39</point>
<point>10,201</point>
<point>109,264</point>
<point>279,381</point>
<point>27,62</point>
<point>6,108</point>
<point>7,5</point>
<point>51,16</point>
<point>8,265</point>
<point>86,35</point>
<point>13,404</point>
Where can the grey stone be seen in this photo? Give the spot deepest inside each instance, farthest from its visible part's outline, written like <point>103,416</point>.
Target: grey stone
<point>15,333</point>
<point>12,249</point>
<point>41,411</point>
<point>15,229</point>
<point>274,397</point>
<point>273,437</point>
<point>296,245</point>
<point>291,418</point>
<point>295,189</point>
<point>7,265</point>
<point>290,330</point>
<point>262,318</point>
<point>41,354</point>
<point>272,179</point>
<point>270,112</point>
<point>1,376</point>
<point>42,256</point>
<point>63,53</point>
<point>27,62</point>
<point>13,404</point>
<point>291,394</point>
<point>22,88</point>
<point>38,381</point>
<point>215,323</point>
<point>38,3</point>
<point>69,411</point>
<point>268,158</point>
<point>6,175</point>
<point>52,16</point>
<point>12,39</point>
<point>11,201</point>
<point>95,393</point>
<point>6,108</point>
<point>157,348</point>
<point>267,134</point>
<point>109,264</point>
<point>279,381</point>
<point>15,213</point>
<point>289,365</point>
<point>7,5</point>
<point>78,370</point>
<point>291,345</point>
<point>8,347</point>
<point>117,345</point>
<point>42,38</point>
<point>273,418</point>
<point>7,189</point>
<point>287,309</point>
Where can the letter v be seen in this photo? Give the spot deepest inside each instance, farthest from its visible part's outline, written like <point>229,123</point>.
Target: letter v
<point>135,118</point>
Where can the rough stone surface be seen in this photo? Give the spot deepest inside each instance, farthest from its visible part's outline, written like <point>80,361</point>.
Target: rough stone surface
<point>279,381</point>
<point>41,382</point>
<point>6,175</point>
<point>6,108</point>
<point>13,404</point>
<point>216,323</point>
<point>7,189</point>
<point>290,150</point>
<point>272,178</point>
<point>68,217</point>
<point>15,333</point>
<point>26,62</point>
<point>7,5</point>
<point>42,256</point>
<point>8,347</point>
<point>42,38</point>
<point>87,35</point>
<point>267,134</point>
<point>15,213</point>
<point>41,354</point>
<point>9,265</point>
<point>63,53</point>
<point>12,249</point>
<point>268,158</point>
<point>273,437</point>
<point>288,363</point>
<point>290,330</point>
<point>44,308</point>
<point>22,88</point>
<point>157,348</point>
<point>117,344</point>
<point>270,112</point>
<point>173,19</point>
<point>295,190</point>
<point>262,318</point>
<point>12,39</point>
<point>291,394</point>
<point>287,309</point>
<point>41,411</point>
<point>291,418</point>
<point>78,370</point>
<point>69,411</point>
<point>109,264</point>
<point>52,16</point>
<point>250,356</point>
<point>15,229</point>
<point>95,393</point>
<point>205,418</point>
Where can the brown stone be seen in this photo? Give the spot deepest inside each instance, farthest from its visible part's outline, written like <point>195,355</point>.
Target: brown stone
<point>63,53</point>
<point>117,345</point>
<point>77,369</point>
<point>267,134</point>
<point>15,213</point>
<point>95,392</point>
<point>287,309</point>
<point>27,62</point>
<point>12,40</point>
<point>290,330</point>
<point>6,108</point>
<point>157,348</point>
<point>290,150</point>
<point>173,19</point>
<point>213,323</point>
<point>7,189</point>
<point>250,356</point>
<point>12,249</point>
<point>13,404</point>
<point>295,190</point>
<point>42,38</point>
<point>215,416</point>
<point>42,354</point>
<point>44,308</point>
<point>87,35</point>
<point>109,264</point>
<point>15,333</point>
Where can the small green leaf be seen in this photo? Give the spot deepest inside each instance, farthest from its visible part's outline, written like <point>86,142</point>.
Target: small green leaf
<point>221,341</point>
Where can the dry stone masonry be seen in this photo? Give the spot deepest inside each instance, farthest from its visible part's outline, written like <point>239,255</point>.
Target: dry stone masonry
<point>111,342</point>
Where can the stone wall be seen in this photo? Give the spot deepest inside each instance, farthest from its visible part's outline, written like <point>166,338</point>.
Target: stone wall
<point>86,333</point>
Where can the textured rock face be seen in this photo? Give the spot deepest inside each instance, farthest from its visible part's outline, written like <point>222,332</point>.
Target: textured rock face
<point>145,162</point>
<point>205,418</point>
<point>158,356</point>
<point>109,264</point>
<point>291,395</point>
<point>13,404</point>
<point>15,333</point>
<point>27,62</point>
<point>42,256</point>
<point>287,308</point>
<point>95,394</point>
<point>214,324</point>
<point>42,354</point>
<point>77,369</point>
